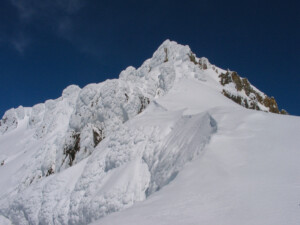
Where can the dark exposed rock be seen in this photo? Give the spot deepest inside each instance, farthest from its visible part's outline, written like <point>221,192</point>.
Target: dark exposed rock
<point>246,105</point>
<point>253,105</point>
<point>97,136</point>
<point>237,80</point>
<point>144,103</point>
<point>193,58</point>
<point>166,56</point>
<point>127,97</point>
<point>253,97</point>
<point>4,119</point>
<point>246,86</point>
<point>234,98</point>
<point>49,172</point>
<point>225,78</point>
<point>203,63</point>
<point>70,151</point>
<point>271,104</point>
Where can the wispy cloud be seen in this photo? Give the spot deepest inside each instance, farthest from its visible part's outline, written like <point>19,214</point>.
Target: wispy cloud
<point>30,8</point>
<point>25,11</point>
<point>20,42</point>
<point>55,14</point>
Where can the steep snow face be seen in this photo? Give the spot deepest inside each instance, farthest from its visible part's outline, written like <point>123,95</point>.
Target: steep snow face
<point>100,149</point>
<point>85,117</point>
<point>248,174</point>
<point>136,160</point>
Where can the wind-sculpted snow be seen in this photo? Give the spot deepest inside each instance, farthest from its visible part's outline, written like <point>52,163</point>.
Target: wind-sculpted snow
<point>84,117</point>
<point>124,168</point>
<point>10,119</point>
<point>101,148</point>
<point>185,142</point>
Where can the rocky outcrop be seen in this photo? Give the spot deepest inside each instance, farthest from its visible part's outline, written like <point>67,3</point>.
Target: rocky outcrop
<point>203,62</point>
<point>245,94</point>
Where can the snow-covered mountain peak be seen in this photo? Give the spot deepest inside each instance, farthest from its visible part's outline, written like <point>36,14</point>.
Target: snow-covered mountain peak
<point>169,54</point>
<point>170,51</point>
<point>88,144</point>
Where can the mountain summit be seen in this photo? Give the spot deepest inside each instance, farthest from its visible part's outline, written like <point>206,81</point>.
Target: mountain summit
<point>176,141</point>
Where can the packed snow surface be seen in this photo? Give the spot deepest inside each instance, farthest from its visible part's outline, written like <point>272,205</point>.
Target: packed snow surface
<point>159,145</point>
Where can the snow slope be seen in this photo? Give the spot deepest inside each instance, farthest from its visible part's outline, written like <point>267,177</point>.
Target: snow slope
<point>161,144</point>
<point>247,174</point>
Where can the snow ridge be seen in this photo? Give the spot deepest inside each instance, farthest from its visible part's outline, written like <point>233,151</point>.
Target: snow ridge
<point>110,144</point>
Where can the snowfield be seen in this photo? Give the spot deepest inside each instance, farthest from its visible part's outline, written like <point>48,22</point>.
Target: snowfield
<point>159,145</point>
<point>247,174</point>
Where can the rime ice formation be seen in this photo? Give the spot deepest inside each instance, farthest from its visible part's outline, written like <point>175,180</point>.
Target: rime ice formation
<point>103,148</point>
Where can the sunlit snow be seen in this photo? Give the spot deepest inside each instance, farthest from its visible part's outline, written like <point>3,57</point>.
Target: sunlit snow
<point>159,145</point>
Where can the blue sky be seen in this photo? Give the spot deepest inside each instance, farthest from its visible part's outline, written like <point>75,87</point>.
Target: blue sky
<point>50,44</point>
